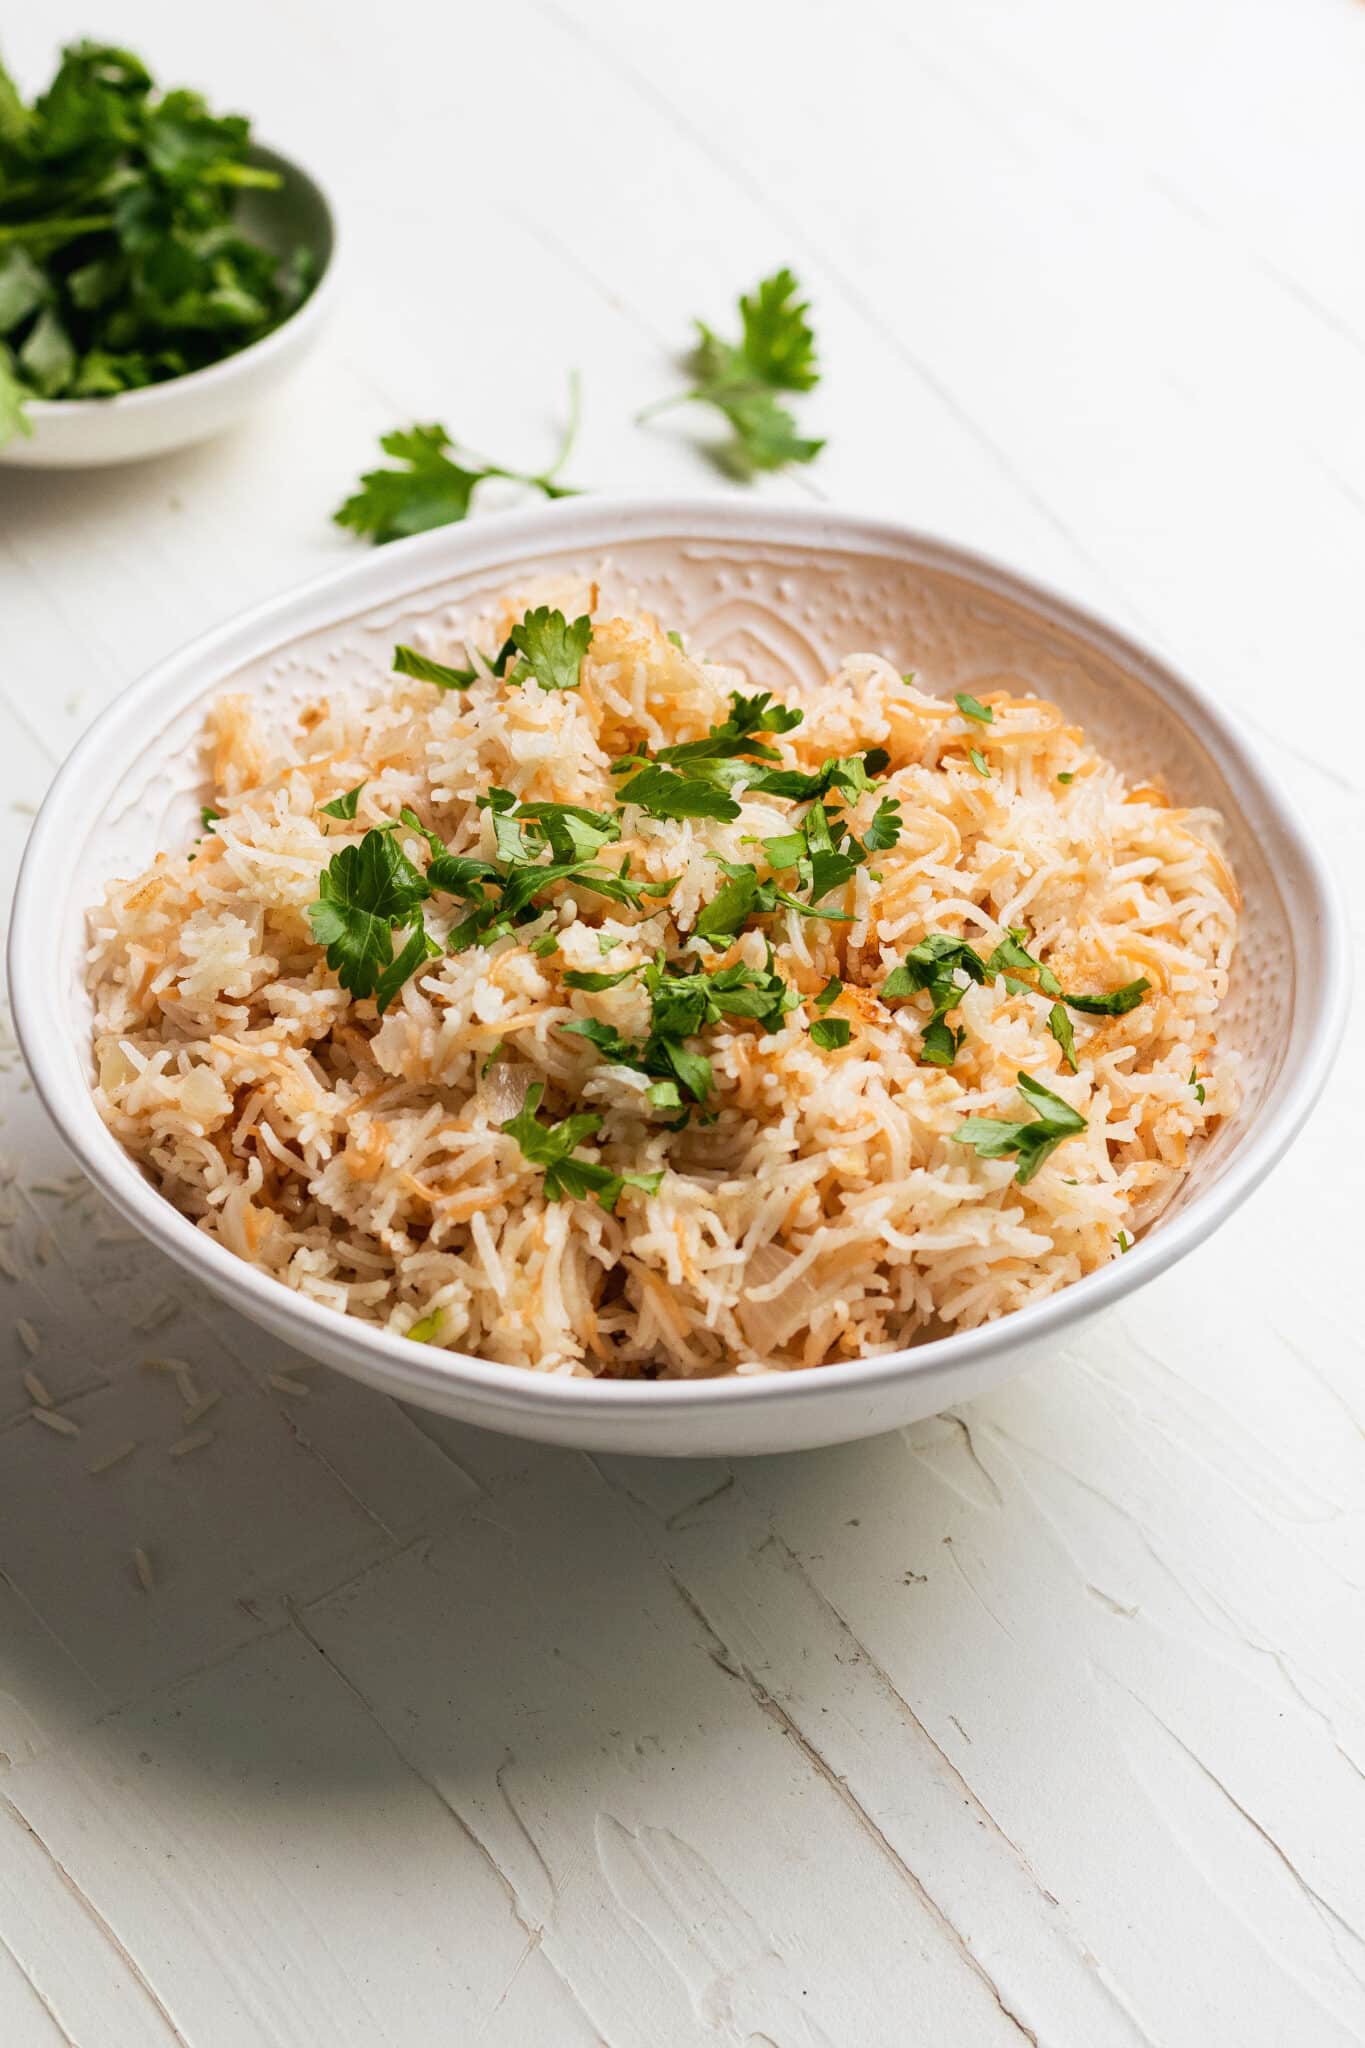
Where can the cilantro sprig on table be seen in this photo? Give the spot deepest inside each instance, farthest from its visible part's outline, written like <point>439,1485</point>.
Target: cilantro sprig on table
<point>775,353</point>
<point>435,481</point>
<point>121,261</point>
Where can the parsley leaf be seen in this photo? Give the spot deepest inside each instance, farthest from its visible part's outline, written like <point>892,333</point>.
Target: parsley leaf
<point>364,892</point>
<point>1032,1143</point>
<point>436,482</point>
<point>552,650</point>
<point>208,817</point>
<point>408,662</point>
<point>830,993</point>
<point>1070,776</point>
<point>1116,1003</point>
<point>934,964</point>
<point>775,352</point>
<point>829,1033</point>
<point>1059,1024</point>
<point>978,761</point>
<point>885,829</point>
<point>971,708</point>
<point>576,978</point>
<point>343,806</point>
<point>665,794</point>
<point>553,1148</point>
<point>1197,1086</point>
<point>1011,953</point>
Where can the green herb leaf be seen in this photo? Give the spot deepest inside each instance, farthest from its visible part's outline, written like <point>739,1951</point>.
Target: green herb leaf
<point>776,352</point>
<point>1197,1086</point>
<point>830,993</point>
<point>343,806</point>
<point>971,708</point>
<point>208,817</point>
<point>1070,776</point>
<point>1032,1143</point>
<point>541,947</point>
<point>978,761</point>
<point>364,892</point>
<point>408,662</point>
<point>1059,1024</point>
<point>1124,1242</point>
<point>492,1060</point>
<point>829,1033</point>
<point>552,650</point>
<point>553,1148</point>
<point>576,978</point>
<point>665,794</point>
<point>1116,1003</point>
<point>1011,953</point>
<point>885,829</point>
<point>436,482</point>
<point>427,1328</point>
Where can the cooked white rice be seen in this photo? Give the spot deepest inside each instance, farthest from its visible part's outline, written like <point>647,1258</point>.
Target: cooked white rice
<point>827,1211</point>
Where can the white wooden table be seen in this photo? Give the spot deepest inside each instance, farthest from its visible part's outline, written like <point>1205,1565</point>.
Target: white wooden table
<point>1041,1722</point>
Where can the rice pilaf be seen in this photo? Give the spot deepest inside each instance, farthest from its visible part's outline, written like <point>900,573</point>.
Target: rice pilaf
<point>787,1185</point>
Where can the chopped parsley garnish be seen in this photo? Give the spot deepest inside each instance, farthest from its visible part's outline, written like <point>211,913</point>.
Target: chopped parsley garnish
<point>437,481</point>
<point>575,978</point>
<point>934,964</point>
<point>1032,1143</point>
<point>665,794</point>
<point>365,893</point>
<point>775,353</point>
<point>492,1059</point>
<point>427,1328</point>
<point>683,1004</point>
<point>978,761</point>
<point>551,649</point>
<point>830,993</point>
<point>1059,1024</point>
<point>1069,776</point>
<point>1197,1085</point>
<point>1116,1003</point>
<point>1012,954</point>
<point>553,1148</point>
<point>343,807</point>
<point>829,1033</point>
<point>1124,1242</point>
<point>971,707</point>
<point>540,948</point>
<point>208,817</point>
<point>885,829</point>
<point>408,662</point>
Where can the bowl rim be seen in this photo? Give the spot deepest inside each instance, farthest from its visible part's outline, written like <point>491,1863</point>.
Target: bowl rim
<point>38,959</point>
<point>147,397</point>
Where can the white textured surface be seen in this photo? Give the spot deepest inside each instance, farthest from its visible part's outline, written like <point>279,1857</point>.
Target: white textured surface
<point>1045,1721</point>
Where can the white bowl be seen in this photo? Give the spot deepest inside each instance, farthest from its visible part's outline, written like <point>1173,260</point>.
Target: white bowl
<point>784,592</point>
<point>91,433</point>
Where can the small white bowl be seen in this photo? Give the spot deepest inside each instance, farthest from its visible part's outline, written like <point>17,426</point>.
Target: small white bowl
<point>92,433</point>
<point>786,593</point>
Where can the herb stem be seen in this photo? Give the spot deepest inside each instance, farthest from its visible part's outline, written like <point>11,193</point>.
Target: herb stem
<point>60,230</point>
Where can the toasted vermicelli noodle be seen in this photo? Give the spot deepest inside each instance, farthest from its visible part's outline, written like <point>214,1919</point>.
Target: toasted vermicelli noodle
<point>821,1208</point>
